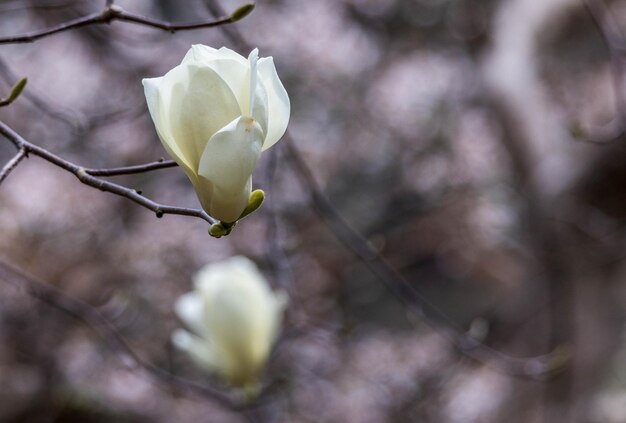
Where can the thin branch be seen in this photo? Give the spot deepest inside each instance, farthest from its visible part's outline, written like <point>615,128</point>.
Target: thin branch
<point>113,12</point>
<point>128,170</point>
<point>98,323</point>
<point>12,164</point>
<point>19,5</point>
<point>401,288</point>
<point>95,182</point>
<point>533,367</point>
<point>57,112</point>
<point>232,33</point>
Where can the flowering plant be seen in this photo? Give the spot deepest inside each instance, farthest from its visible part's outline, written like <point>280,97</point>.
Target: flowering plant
<point>214,114</point>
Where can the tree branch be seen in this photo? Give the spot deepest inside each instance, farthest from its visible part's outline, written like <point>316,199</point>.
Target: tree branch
<point>531,367</point>
<point>112,12</point>
<point>129,170</point>
<point>83,175</point>
<point>400,288</point>
<point>12,164</point>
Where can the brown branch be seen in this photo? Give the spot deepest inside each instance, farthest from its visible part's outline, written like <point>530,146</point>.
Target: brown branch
<point>113,12</point>
<point>402,289</point>
<point>57,112</point>
<point>533,367</point>
<point>91,317</point>
<point>95,182</point>
<point>128,170</point>
<point>12,164</point>
<point>232,33</point>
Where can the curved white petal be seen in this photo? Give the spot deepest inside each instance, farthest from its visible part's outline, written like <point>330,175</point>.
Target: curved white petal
<point>201,351</point>
<point>235,71</point>
<point>189,308</point>
<point>241,315</point>
<point>200,52</point>
<point>280,304</point>
<point>200,103</point>
<point>227,162</point>
<point>157,109</point>
<point>278,105</point>
<point>240,318</point>
<point>257,95</point>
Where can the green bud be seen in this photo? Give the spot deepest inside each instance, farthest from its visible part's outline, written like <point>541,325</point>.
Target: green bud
<point>217,230</point>
<point>241,12</point>
<point>577,131</point>
<point>16,90</point>
<point>560,357</point>
<point>220,229</point>
<point>254,202</point>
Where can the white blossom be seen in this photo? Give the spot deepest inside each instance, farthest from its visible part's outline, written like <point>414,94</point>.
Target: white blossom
<point>214,114</point>
<point>233,319</point>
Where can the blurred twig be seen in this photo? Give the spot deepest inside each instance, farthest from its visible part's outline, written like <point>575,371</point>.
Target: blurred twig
<point>402,289</point>
<point>231,32</point>
<point>615,42</point>
<point>77,123</point>
<point>112,12</point>
<point>40,103</point>
<point>531,367</point>
<point>19,5</point>
<point>86,178</point>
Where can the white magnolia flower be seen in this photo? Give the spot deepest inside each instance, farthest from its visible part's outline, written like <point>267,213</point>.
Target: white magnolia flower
<point>233,317</point>
<point>214,114</point>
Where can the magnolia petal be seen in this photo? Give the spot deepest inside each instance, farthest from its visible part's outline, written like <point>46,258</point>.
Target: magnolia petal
<point>189,308</point>
<point>241,315</point>
<point>200,52</point>
<point>227,162</point>
<point>161,122</point>
<point>278,105</point>
<point>235,71</point>
<point>237,319</point>
<point>281,299</point>
<point>232,68</point>
<point>240,309</point>
<point>199,104</point>
<point>256,93</point>
<point>201,351</point>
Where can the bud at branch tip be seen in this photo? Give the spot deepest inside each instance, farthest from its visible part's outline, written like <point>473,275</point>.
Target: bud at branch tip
<point>241,12</point>
<point>16,90</point>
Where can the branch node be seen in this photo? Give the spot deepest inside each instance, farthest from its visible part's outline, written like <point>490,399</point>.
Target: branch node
<point>82,174</point>
<point>111,12</point>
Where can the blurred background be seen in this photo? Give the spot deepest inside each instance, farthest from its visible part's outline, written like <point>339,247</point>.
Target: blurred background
<point>478,146</point>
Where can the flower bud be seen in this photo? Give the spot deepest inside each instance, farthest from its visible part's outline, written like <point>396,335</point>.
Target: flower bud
<point>214,114</point>
<point>233,318</point>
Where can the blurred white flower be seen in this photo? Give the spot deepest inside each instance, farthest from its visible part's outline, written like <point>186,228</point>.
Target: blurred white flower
<point>234,318</point>
<point>214,114</point>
